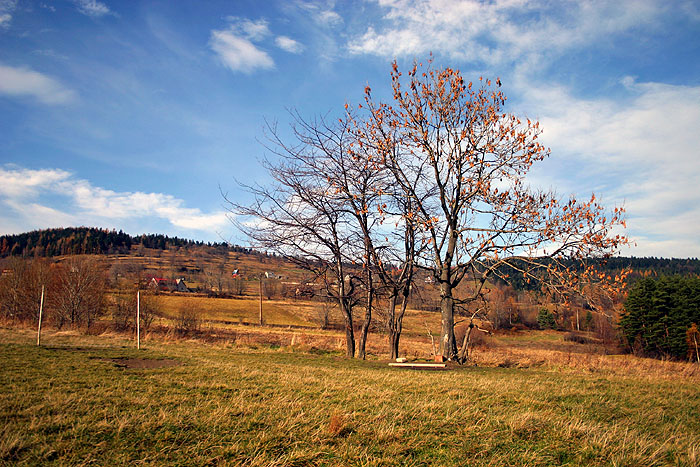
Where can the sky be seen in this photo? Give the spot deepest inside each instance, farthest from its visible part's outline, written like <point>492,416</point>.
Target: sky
<point>140,115</point>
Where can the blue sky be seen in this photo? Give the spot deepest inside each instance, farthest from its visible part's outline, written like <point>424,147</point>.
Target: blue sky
<point>131,115</point>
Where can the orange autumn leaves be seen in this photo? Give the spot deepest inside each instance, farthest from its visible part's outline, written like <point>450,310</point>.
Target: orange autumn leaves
<point>452,147</point>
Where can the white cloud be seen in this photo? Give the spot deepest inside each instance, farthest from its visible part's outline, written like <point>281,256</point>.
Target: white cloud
<point>26,82</point>
<point>252,30</point>
<point>27,194</point>
<point>642,150</point>
<point>494,32</point>
<point>235,46</point>
<point>92,8</point>
<point>20,183</point>
<point>289,44</point>
<point>238,53</point>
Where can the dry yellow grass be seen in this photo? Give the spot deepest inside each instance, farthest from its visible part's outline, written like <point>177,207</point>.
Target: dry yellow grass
<point>238,310</point>
<point>235,404</point>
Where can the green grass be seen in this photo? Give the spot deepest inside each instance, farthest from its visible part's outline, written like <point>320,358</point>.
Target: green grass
<point>68,403</point>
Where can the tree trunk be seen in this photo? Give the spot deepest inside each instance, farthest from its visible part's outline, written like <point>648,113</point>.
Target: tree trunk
<point>394,345</point>
<point>361,354</point>
<point>391,326</point>
<point>364,331</point>
<point>448,344</point>
<point>464,352</point>
<point>349,332</point>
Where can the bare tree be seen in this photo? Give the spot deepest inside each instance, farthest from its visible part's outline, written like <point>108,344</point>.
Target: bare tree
<point>236,286</point>
<point>302,218</point>
<point>451,166</point>
<point>20,288</point>
<point>78,297</point>
<point>124,308</point>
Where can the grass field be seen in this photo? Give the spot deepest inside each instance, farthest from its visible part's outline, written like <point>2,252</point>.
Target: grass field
<point>239,310</point>
<point>97,400</point>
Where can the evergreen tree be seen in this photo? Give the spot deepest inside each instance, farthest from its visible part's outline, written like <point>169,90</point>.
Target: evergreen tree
<point>658,313</point>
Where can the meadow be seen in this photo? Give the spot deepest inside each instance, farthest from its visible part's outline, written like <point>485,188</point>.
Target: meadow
<point>97,400</point>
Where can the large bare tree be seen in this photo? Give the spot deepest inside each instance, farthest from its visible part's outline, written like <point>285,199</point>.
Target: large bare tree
<point>446,163</point>
<point>302,216</point>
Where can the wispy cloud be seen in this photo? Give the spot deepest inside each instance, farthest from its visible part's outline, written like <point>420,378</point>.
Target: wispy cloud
<point>323,15</point>
<point>27,193</point>
<point>19,82</point>
<point>238,45</point>
<point>238,53</point>
<point>252,30</point>
<point>641,151</point>
<point>92,8</point>
<point>7,8</point>
<point>236,49</point>
<point>494,32</point>
<point>288,44</point>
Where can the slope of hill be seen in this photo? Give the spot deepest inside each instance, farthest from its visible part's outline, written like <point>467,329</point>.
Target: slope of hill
<point>91,240</point>
<point>223,258</point>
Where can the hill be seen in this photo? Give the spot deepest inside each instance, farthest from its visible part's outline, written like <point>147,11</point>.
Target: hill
<point>92,241</point>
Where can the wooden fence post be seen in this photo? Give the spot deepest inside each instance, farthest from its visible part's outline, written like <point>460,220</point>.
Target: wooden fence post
<point>41,312</point>
<point>261,300</point>
<point>138,319</point>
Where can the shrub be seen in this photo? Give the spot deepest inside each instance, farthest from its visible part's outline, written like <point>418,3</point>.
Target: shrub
<point>187,321</point>
<point>578,338</point>
<point>124,312</point>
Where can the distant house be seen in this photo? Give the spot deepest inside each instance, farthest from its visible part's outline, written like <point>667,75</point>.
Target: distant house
<point>271,275</point>
<point>181,286</point>
<point>166,285</point>
<point>159,283</point>
<point>235,273</point>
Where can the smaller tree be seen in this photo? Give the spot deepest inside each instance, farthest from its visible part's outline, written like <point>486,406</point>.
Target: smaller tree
<point>78,296</point>
<point>125,307</point>
<point>20,288</point>
<point>658,313</point>
<point>545,319</point>
<point>692,338</point>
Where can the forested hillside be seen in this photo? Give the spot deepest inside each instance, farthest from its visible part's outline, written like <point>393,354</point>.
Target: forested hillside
<point>89,240</point>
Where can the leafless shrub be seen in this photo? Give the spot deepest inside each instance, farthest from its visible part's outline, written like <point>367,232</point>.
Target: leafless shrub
<point>188,321</point>
<point>237,286</point>
<point>20,288</point>
<point>322,314</point>
<point>124,311</point>
<point>270,288</point>
<point>78,297</point>
<point>579,338</point>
